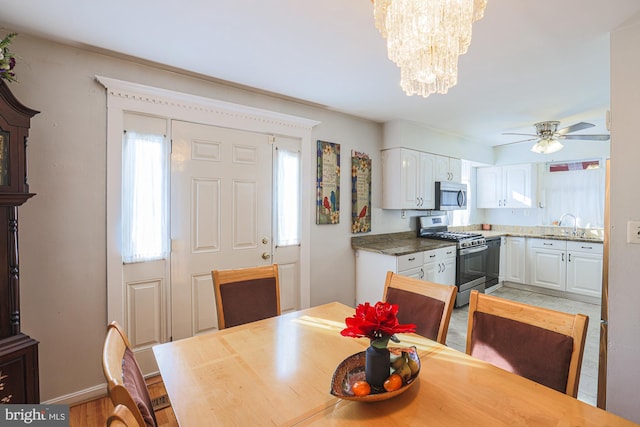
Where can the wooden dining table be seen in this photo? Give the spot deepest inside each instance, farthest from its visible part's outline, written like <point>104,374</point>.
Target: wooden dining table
<point>278,371</point>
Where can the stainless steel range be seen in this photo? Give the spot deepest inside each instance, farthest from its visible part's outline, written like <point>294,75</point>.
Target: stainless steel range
<point>471,254</point>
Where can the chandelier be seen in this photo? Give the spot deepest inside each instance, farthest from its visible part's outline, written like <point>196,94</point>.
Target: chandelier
<point>425,38</point>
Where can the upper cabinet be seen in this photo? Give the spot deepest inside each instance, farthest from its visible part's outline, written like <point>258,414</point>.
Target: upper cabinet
<point>447,169</point>
<point>407,179</point>
<point>506,186</point>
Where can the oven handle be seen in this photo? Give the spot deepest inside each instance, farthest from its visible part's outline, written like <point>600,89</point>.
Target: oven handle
<point>473,250</point>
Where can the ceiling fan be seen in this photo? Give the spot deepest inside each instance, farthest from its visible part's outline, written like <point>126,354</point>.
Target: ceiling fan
<point>548,136</point>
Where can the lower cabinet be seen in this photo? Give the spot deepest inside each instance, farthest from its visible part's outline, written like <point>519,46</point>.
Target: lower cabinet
<point>547,258</point>
<point>516,259</point>
<point>437,265</point>
<point>440,266</point>
<point>584,268</point>
<point>566,266</point>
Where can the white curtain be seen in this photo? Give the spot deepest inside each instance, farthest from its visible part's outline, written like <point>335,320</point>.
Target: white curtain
<point>577,192</point>
<point>144,197</point>
<point>287,188</point>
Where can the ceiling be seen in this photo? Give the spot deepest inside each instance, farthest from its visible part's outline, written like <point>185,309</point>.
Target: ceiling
<point>529,61</point>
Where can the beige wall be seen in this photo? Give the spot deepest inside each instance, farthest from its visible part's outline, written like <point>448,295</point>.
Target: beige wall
<point>63,228</point>
<point>624,278</point>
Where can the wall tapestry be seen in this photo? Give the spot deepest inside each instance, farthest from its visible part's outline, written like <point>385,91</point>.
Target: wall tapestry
<point>328,183</point>
<point>360,192</point>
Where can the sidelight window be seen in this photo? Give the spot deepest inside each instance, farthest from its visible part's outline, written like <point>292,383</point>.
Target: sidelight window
<point>287,195</point>
<point>144,197</point>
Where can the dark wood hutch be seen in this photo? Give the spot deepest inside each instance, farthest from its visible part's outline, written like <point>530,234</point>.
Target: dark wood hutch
<point>18,352</point>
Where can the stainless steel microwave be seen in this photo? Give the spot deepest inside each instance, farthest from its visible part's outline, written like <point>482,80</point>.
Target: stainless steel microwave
<point>450,196</point>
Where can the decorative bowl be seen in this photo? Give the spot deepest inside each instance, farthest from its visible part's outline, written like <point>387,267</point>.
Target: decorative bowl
<point>351,370</point>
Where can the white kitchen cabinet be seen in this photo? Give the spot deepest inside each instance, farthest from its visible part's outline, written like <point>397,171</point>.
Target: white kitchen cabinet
<point>440,265</point>
<point>566,266</point>
<point>547,259</point>
<point>447,169</point>
<point>502,270</point>
<point>407,179</point>
<point>372,268</point>
<point>584,268</point>
<point>505,186</point>
<point>516,259</point>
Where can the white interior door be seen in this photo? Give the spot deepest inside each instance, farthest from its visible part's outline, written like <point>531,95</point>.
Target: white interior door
<point>221,208</point>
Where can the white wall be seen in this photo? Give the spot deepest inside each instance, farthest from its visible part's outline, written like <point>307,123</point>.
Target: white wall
<point>624,278</point>
<point>401,133</point>
<point>62,229</point>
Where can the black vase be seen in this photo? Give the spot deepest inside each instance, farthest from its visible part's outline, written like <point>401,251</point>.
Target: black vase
<point>377,364</point>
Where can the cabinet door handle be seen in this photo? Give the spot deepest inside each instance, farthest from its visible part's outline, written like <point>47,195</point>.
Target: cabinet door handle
<point>421,273</point>
<point>432,256</point>
<point>547,244</point>
<point>586,247</point>
<point>563,256</point>
<point>444,266</point>
<point>412,259</point>
<point>569,257</point>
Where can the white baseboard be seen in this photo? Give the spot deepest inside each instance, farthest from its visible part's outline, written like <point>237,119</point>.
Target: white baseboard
<point>80,396</point>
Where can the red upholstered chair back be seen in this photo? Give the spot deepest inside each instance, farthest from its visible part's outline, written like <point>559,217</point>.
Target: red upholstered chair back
<point>545,346</point>
<point>426,304</point>
<point>125,381</point>
<point>247,294</point>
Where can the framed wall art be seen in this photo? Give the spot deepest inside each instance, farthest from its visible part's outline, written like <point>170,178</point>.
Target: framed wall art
<point>360,192</point>
<point>328,183</point>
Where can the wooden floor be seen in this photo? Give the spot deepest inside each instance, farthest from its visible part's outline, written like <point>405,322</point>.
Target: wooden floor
<point>95,412</point>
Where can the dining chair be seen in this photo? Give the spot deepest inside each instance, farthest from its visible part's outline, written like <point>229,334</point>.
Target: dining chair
<point>125,382</point>
<point>246,294</point>
<point>426,304</point>
<point>537,343</point>
<point>121,416</point>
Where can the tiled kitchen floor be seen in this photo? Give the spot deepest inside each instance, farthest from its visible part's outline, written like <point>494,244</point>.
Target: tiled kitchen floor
<point>588,388</point>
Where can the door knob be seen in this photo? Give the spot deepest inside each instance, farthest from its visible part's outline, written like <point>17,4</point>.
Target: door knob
<point>266,255</point>
<point>265,240</point>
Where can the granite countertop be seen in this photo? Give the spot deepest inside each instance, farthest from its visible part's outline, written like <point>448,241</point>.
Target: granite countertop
<point>404,243</point>
<point>397,244</point>
<point>567,238</point>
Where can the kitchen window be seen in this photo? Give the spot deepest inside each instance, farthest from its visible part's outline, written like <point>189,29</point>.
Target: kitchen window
<point>576,188</point>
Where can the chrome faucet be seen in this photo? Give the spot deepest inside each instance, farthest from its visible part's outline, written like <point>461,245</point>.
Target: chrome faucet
<point>575,223</point>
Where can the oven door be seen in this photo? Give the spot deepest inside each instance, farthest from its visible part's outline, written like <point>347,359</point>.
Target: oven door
<point>471,271</point>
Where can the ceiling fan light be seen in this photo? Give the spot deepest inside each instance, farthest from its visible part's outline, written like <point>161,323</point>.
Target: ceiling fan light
<point>547,146</point>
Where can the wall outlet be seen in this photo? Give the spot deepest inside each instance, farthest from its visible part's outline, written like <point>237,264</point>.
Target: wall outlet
<point>633,232</point>
<point>403,214</point>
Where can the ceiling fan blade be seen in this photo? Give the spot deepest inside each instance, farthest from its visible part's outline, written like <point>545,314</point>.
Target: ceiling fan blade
<point>587,137</point>
<point>517,142</point>
<point>574,128</point>
<point>525,134</point>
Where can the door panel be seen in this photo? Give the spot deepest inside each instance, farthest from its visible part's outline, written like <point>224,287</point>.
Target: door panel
<point>220,215</point>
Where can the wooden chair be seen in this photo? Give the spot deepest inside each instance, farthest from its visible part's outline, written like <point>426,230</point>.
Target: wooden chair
<point>426,304</point>
<point>121,417</point>
<point>540,344</point>
<point>125,381</point>
<point>246,295</point>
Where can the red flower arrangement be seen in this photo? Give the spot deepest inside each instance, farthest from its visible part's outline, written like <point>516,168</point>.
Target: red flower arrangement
<point>379,323</point>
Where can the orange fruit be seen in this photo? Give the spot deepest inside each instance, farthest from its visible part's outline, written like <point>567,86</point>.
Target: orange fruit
<point>361,388</point>
<point>392,383</point>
